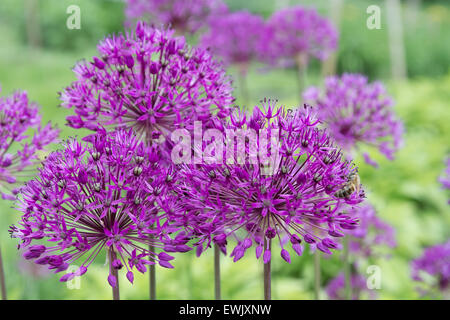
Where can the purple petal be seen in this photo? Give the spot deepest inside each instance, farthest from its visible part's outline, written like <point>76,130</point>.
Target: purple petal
<point>298,248</point>
<point>112,281</point>
<point>285,255</point>
<point>130,276</point>
<point>266,256</point>
<point>165,264</point>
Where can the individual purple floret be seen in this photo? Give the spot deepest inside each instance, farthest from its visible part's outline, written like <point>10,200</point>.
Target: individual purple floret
<point>185,16</point>
<point>147,80</point>
<point>371,233</point>
<point>20,154</point>
<point>93,197</point>
<point>357,112</point>
<point>434,262</point>
<point>298,33</point>
<point>283,192</point>
<point>236,38</point>
<point>336,288</point>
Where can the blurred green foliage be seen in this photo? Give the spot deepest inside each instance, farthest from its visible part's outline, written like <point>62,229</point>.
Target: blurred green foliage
<point>405,192</point>
<point>360,49</point>
<point>98,18</point>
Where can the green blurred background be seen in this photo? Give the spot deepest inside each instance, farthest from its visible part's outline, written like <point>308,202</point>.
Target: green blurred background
<point>37,52</point>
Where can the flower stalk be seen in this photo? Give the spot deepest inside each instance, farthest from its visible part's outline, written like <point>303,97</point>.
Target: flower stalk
<point>115,274</point>
<point>317,275</point>
<point>301,62</point>
<point>348,285</point>
<point>267,273</point>
<point>152,277</point>
<point>2,278</point>
<point>243,84</point>
<point>217,289</point>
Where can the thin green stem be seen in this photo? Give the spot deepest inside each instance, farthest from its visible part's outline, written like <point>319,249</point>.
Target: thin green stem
<point>2,277</point>
<point>152,277</point>
<point>115,273</point>
<point>302,65</point>
<point>243,85</point>
<point>217,292</point>
<point>348,285</point>
<point>317,275</point>
<point>267,271</point>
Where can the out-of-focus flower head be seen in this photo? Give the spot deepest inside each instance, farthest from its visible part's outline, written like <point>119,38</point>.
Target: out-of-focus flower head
<point>299,32</point>
<point>358,112</point>
<point>20,154</point>
<point>185,16</point>
<point>280,184</point>
<point>147,80</point>
<point>235,37</point>
<point>336,288</point>
<point>435,263</point>
<point>104,195</point>
<point>371,233</point>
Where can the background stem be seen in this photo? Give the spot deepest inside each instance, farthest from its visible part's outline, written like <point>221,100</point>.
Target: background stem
<point>348,286</point>
<point>301,61</point>
<point>115,273</point>
<point>2,277</point>
<point>217,272</point>
<point>243,85</point>
<point>152,277</point>
<point>267,275</point>
<point>317,275</point>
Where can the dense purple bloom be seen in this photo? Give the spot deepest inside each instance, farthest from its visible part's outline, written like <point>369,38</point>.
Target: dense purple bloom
<point>356,111</point>
<point>371,233</point>
<point>235,37</point>
<point>435,262</point>
<point>290,196</point>
<point>185,16</point>
<point>19,153</point>
<point>299,32</point>
<point>149,81</point>
<point>336,288</point>
<point>104,195</point>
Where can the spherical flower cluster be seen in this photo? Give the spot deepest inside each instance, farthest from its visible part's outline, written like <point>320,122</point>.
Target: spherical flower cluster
<point>19,154</point>
<point>185,16</point>
<point>235,37</point>
<point>356,111</point>
<point>336,288</point>
<point>296,31</point>
<point>104,195</point>
<point>435,262</point>
<point>149,81</point>
<point>371,233</point>
<point>287,191</point>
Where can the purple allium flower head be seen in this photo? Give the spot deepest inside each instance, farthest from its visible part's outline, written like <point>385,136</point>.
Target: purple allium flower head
<point>336,288</point>
<point>298,31</point>
<point>235,37</point>
<point>185,16</point>
<point>356,111</point>
<point>147,80</point>
<point>371,233</point>
<point>287,191</point>
<point>435,262</point>
<point>19,153</point>
<point>104,195</point>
